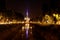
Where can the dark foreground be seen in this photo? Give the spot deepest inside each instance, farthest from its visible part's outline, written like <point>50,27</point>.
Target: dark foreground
<point>14,32</point>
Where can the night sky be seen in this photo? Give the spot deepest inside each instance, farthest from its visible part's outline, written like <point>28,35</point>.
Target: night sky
<point>35,8</point>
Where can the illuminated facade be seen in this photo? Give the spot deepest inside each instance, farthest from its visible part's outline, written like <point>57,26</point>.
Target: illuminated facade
<point>47,20</point>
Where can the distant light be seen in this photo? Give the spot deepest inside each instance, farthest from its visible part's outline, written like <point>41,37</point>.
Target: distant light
<point>26,33</point>
<point>30,27</point>
<point>22,22</point>
<point>54,15</point>
<point>27,13</point>
<point>23,28</point>
<point>26,26</point>
<point>58,22</point>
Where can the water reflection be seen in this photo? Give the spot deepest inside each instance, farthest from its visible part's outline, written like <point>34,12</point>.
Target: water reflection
<point>35,32</point>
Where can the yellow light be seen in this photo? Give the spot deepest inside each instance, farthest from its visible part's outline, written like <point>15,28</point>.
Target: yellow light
<point>46,16</point>
<point>47,20</point>
<point>26,26</point>
<point>23,28</point>
<point>30,27</point>
<point>54,15</point>
<point>57,16</point>
<point>22,22</point>
<point>58,22</point>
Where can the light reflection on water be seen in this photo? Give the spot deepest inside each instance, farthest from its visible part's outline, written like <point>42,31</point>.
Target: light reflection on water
<point>26,33</point>
<point>37,31</point>
<point>41,30</point>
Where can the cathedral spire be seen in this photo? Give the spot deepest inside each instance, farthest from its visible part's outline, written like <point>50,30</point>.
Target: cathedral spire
<point>27,13</point>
